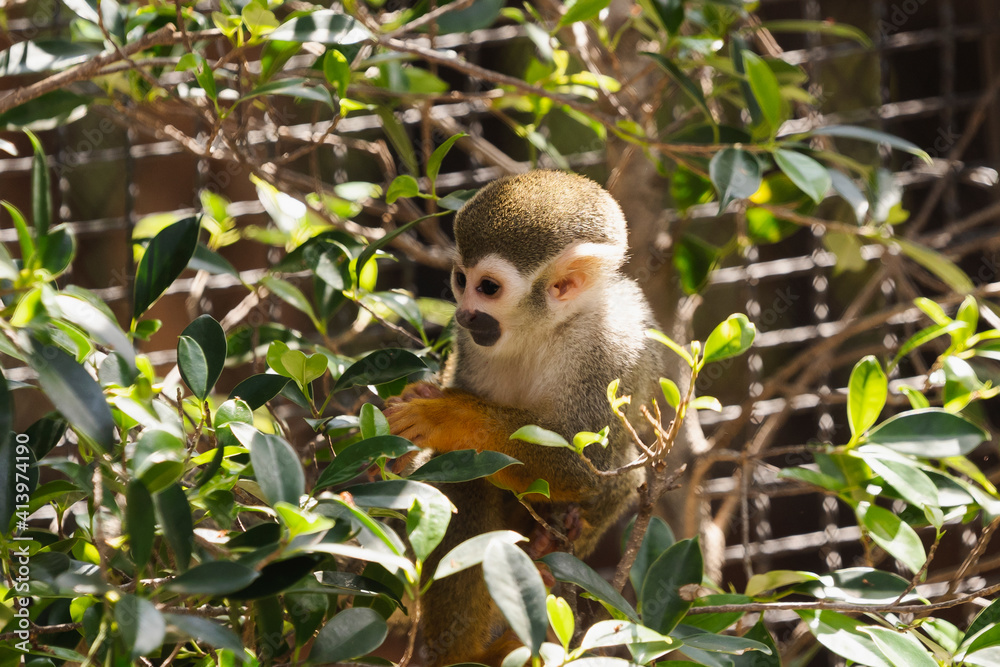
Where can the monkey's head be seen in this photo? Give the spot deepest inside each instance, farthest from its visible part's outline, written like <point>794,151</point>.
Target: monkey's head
<point>531,247</point>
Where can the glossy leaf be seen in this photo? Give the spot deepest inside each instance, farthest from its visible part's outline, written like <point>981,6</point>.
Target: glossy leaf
<point>325,26</point>
<point>760,634</point>
<point>936,263</point>
<point>670,13</point>
<point>566,567</point>
<point>173,514</point>
<point>766,89</point>
<point>903,473</point>
<point>352,633</point>
<point>204,354</point>
<point>213,578</point>
<point>857,585</point>
<point>867,391</point>
<point>892,534</point>
<point>207,631</point>
<point>874,136</point>
<point>95,322</point>
<point>41,195</point>
<point>901,648</point>
<point>537,435</point>
<point>842,635</point>
<point>462,465</point>
<point>929,433</point>
<point>434,162</point>
<point>517,588</point>
<point>140,624</point>
<point>736,174</point>
<point>694,260</point>
<point>808,175</point>
<point>732,337</point>
<point>618,633</point>
<point>560,618</point>
<point>582,10</point>
<point>426,523</point>
<point>481,14</point>
<point>74,392</point>
<point>276,465</point>
<point>670,392</point>
<point>470,552</point>
<point>380,367</point>
<point>164,259</point>
<point>658,538</point>
<point>258,389</point>
<point>660,600</point>
<point>358,456</point>
<point>397,494</point>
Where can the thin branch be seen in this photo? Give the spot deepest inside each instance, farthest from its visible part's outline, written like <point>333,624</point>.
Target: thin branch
<point>90,69</point>
<point>430,17</point>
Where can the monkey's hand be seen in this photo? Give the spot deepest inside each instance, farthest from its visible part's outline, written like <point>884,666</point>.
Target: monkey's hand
<point>442,420</point>
<point>449,420</point>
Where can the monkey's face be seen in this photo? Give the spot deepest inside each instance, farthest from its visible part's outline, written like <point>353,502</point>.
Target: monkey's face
<point>487,294</point>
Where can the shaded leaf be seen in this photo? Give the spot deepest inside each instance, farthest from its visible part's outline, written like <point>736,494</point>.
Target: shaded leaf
<point>165,258</point>
<point>350,634</point>
<point>140,625</point>
<point>462,465</point>
<point>517,588</point>
<point>566,567</point>
<point>276,465</point>
<point>736,174</point>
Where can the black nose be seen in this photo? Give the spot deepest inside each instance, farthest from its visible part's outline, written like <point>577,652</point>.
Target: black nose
<point>485,328</point>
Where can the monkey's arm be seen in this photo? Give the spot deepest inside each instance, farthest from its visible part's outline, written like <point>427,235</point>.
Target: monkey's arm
<point>450,420</point>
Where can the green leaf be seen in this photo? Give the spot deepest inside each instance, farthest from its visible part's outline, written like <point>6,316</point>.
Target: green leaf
<point>851,193</point>
<point>669,342</point>
<point>566,567</point>
<point>731,338</point>
<point>397,494</point>
<point>618,633</point>
<point>140,624</point>
<point>402,186</point>
<point>158,458</point>
<point>380,367</point>
<point>822,27</point>
<point>481,14</point>
<point>337,71</point>
<point>694,260</point>
<point>769,581</point>
<point>434,162</point>
<point>56,250</point>
<point>272,58</point>
<point>166,256</point>
<point>41,194</point>
<point>658,538</point>
<point>207,631</point>
<point>354,458</point>
<point>857,585</point>
<point>581,10</point>
<point>903,473</point>
<point>537,435</point>
<point>325,26</point>
<point>373,423</point>
<point>24,237</point>
<point>724,644</point>
<point>842,635</point>
<point>74,392</point>
<point>889,532</point>
<point>46,112</point>
<point>925,336</point>
<point>929,433</point>
<point>874,136</point>
<point>560,618</point>
<point>989,616</point>
<point>173,514</point>
<point>517,588</point>
<point>353,633</point>
<point>760,634</point>
<point>670,13</point>
<point>808,175</point>
<point>472,551</point>
<point>276,466</point>
<point>867,391</point>
<point>258,389</point>
<point>902,648</point>
<point>426,523</point>
<point>213,578</point>
<point>670,392</point>
<point>462,466</point>
<point>736,174</point>
<point>766,89</point>
<point>44,55</point>
<point>660,600</point>
<point>210,339</point>
<point>935,262</point>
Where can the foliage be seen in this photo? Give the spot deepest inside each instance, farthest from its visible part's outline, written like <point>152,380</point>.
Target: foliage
<point>187,527</point>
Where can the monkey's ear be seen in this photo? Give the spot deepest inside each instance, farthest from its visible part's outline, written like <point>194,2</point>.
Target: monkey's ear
<point>579,267</point>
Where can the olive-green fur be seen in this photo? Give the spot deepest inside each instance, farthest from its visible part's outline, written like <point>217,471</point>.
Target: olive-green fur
<point>527,219</point>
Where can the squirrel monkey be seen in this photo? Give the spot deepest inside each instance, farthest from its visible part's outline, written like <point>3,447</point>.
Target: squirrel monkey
<point>546,320</point>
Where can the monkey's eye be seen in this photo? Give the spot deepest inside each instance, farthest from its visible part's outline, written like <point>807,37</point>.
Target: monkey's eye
<point>460,279</point>
<point>488,287</point>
